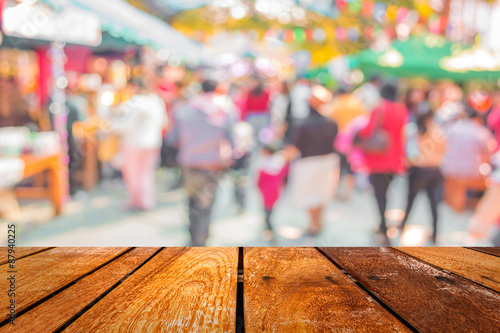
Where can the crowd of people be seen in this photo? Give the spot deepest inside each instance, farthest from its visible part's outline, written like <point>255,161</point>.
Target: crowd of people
<point>304,138</point>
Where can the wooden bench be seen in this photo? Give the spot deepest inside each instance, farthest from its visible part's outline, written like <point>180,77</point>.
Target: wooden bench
<point>254,290</point>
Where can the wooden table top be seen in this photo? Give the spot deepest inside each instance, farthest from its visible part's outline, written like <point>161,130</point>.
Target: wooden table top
<point>253,290</point>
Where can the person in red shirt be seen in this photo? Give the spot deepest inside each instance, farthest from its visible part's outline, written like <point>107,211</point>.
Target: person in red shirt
<point>255,107</point>
<point>390,117</point>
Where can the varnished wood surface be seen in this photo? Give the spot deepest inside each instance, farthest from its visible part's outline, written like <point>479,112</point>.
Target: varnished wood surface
<point>178,290</point>
<point>56,311</point>
<point>42,274</point>
<point>479,267</point>
<point>299,290</point>
<point>283,290</point>
<point>428,298</point>
<point>495,251</point>
<point>19,252</point>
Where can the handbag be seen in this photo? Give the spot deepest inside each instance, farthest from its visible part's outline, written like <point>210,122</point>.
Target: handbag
<point>378,142</point>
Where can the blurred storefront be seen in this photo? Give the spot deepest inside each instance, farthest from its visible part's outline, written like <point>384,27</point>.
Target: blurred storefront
<point>63,65</point>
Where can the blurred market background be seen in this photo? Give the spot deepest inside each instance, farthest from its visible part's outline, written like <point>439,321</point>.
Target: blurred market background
<point>67,66</point>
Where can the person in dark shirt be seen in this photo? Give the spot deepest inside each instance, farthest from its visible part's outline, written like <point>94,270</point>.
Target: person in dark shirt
<point>314,175</point>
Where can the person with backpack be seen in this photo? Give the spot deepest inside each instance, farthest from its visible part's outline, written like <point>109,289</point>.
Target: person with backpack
<point>382,141</point>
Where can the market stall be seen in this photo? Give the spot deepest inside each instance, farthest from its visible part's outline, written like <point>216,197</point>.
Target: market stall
<point>70,71</point>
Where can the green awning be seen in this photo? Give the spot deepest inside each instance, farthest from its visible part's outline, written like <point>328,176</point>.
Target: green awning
<point>418,57</point>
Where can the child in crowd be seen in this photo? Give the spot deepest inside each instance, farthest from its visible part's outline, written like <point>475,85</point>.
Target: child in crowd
<point>273,169</point>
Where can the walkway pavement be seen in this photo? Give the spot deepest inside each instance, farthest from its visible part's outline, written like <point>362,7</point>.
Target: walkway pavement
<point>97,219</point>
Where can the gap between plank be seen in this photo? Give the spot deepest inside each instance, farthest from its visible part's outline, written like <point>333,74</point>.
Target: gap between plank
<point>240,311</point>
<point>450,272</point>
<point>378,300</point>
<point>481,251</point>
<point>37,303</point>
<point>28,255</point>
<point>104,294</point>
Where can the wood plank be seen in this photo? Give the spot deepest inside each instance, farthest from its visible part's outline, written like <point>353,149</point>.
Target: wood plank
<point>20,252</point>
<point>44,273</point>
<point>180,289</point>
<point>495,251</point>
<point>58,310</point>
<point>299,290</point>
<point>476,266</point>
<point>430,299</point>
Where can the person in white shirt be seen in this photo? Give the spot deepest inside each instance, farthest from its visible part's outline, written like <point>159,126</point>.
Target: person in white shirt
<point>369,93</point>
<point>298,107</point>
<point>142,119</point>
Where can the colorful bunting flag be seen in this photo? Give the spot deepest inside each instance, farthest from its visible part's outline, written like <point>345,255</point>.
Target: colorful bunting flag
<point>353,34</point>
<point>309,35</point>
<point>402,14</point>
<point>340,34</point>
<point>341,4</point>
<point>299,35</point>
<point>379,10</point>
<point>355,7</point>
<point>391,14</point>
<point>367,9</point>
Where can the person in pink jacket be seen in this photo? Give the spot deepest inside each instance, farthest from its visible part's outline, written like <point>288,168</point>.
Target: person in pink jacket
<point>493,120</point>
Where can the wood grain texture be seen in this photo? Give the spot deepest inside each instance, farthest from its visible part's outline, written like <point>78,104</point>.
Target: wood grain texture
<point>476,266</point>
<point>179,290</point>
<point>56,311</point>
<point>430,299</point>
<point>299,290</point>
<point>20,252</point>
<point>495,251</point>
<point>44,273</point>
